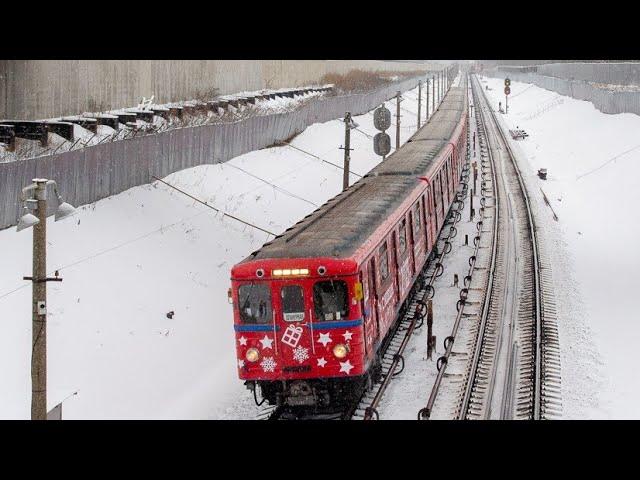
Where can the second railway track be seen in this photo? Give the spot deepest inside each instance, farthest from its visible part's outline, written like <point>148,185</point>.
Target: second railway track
<point>504,358</point>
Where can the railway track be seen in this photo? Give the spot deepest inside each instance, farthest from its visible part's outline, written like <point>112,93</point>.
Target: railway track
<point>507,361</point>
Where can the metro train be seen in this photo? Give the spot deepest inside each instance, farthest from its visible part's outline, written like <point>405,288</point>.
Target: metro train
<point>313,307</point>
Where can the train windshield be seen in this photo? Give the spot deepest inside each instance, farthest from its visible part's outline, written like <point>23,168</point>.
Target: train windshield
<point>330,299</point>
<point>255,303</point>
<point>292,303</point>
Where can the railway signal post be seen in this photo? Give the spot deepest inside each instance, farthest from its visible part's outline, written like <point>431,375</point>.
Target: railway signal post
<point>507,91</point>
<point>382,141</point>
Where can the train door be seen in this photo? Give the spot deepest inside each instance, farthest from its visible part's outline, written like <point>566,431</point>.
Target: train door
<point>394,266</point>
<point>450,178</point>
<point>403,259</point>
<point>419,238</point>
<point>385,289</point>
<point>295,339</point>
<point>441,200</point>
<point>412,240</point>
<point>437,197</point>
<point>371,326</point>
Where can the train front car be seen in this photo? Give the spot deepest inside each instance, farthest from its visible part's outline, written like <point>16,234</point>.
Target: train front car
<point>298,328</point>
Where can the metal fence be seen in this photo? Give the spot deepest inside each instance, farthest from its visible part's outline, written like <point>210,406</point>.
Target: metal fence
<point>613,73</point>
<point>90,174</point>
<point>605,100</point>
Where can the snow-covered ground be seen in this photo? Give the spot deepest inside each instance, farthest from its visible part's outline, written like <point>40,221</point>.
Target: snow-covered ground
<point>593,162</point>
<point>130,259</point>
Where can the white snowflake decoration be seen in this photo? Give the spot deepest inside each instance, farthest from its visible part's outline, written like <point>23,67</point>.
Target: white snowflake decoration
<point>268,364</point>
<point>300,354</point>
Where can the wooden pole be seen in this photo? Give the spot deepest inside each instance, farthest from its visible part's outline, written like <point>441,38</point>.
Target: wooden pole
<point>397,120</point>
<point>419,100</point>
<point>347,149</point>
<point>38,307</point>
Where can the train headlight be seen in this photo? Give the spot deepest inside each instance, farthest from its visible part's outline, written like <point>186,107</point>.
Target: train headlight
<point>340,351</point>
<point>252,355</point>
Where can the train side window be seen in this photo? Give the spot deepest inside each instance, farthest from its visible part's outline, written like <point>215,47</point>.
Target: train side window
<point>254,303</point>
<point>417,222</point>
<point>330,300</point>
<point>292,303</point>
<point>402,235</point>
<point>384,262</point>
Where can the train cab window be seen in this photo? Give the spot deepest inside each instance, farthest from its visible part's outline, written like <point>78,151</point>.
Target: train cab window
<point>255,303</point>
<point>384,262</point>
<point>402,236</point>
<point>417,223</point>
<point>292,303</point>
<point>330,300</point>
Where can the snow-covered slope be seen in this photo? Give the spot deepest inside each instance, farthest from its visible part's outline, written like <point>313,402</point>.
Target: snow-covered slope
<point>130,259</point>
<point>593,162</point>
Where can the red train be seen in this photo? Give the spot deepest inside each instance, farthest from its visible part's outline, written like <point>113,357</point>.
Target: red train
<point>313,307</point>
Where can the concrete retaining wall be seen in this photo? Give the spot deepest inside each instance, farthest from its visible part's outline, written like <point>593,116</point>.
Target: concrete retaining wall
<point>38,89</point>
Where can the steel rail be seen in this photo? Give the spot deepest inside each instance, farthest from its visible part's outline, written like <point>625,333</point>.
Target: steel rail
<point>441,365</point>
<point>536,262</point>
<point>492,266</point>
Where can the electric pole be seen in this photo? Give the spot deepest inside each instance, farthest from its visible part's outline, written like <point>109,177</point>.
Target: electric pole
<point>347,149</point>
<point>398,120</point>
<point>433,93</point>
<point>419,101</point>
<point>37,201</point>
<point>427,103</point>
<point>39,305</point>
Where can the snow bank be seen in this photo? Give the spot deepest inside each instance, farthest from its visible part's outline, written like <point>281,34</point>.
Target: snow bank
<point>593,162</point>
<point>130,259</point>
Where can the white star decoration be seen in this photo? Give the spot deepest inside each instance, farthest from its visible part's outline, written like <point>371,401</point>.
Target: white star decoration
<point>240,363</point>
<point>322,362</point>
<point>324,339</point>
<point>266,342</point>
<point>347,335</point>
<point>346,367</point>
<point>242,340</point>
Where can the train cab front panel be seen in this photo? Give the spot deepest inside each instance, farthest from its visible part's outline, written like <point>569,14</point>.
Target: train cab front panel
<point>298,319</point>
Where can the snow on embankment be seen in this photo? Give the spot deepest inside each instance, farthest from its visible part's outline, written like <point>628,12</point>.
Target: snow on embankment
<point>130,259</point>
<point>593,161</point>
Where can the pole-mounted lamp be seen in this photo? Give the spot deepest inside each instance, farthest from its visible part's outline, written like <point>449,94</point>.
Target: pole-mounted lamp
<point>34,199</point>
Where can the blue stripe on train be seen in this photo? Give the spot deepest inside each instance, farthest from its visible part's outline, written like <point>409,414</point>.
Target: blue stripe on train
<point>316,326</point>
<point>338,324</point>
<point>255,328</point>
